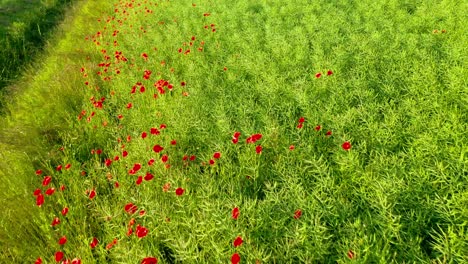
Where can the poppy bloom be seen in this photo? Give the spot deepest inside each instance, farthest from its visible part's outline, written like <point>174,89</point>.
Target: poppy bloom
<point>108,162</point>
<point>37,192</point>
<point>166,187</point>
<point>151,162</point>
<point>346,145</point>
<point>301,120</point>
<point>179,191</point>
<point>238,241</point>
<point>299,126</point>
<point>235,213</point>
<point>93,243</point>
<point>182,83</point>
<point>149,260</point>
<point>317,128</point>
<point>65,211</point>
<point>235,140</point>
<point>46,180</point>
<point>58,256</point>
<point>144,135</point>
<point>254,138</point>
<point>40,200</point>
<point>136,167</point>
<point>154,131</point>
<point>212,162</point>
<point>130,208</point>
<point>157,148</point>
<point>68,166</point>
<point>173,142</point>
<point>124,153</point>
<point>258,149</point>
<point>38,172</point>
<point>76,261</point>
<point>149,176</point>
<point>50,191</point>
<point>38,261</point>
<point>291,147</point>
<point>192,158</point>
<point>329,133</point>
<point>351,254</point>
<point>235,259</point>
<point>92,194</point>
<point>297,214</point>
<point>62,240</point>
<point>318,75</point>
<point>55,221</point>
<point>129,105</point>
<point>139,180</point>
<point>329,72</point>
<point>164,158</point>
<point>141,231</point>
<point>59,167</point>
<point>162,126</point>
<point>217,155</point>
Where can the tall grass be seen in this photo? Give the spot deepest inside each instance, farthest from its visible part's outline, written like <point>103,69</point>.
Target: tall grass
<point>373,74</point>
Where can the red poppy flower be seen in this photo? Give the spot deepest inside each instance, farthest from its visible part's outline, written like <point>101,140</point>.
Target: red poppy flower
<point>166,187</point>
<point>212,162</point>
<point>162,126</point>
<point>164,158</point>
<point>154,131</point>
<point>235,140</point>
<point>192,158</point>
<point>139,180</point>
<point>38,172</point>
<point>141,231</point>
<point>157,148</point>
<point>149,260</point>
<point>68,166</point>
<point>258,149</point>
<point>291,147</point>
<point>46,180</point>
<point>124,153</point>
<point>65,211</point>
<point>62,240</point>
<point>329,133</point>
<point>217,155</point>
<point>318,75</point>
<point>238,241</point>
<point>346,145</point>
<point>149,176</point>
<point>329,72</point>
<point>59,168</point>
<point>37,192</point>
<point>254,138</point>
<point>58,256</point>
<point>40,200</point>
<point>301,120</point>
<point>143,135</point>
<point>92,194</point>
<point>235,213</point>
<point>55,221</point>
<point>173,142</point>
<point>150,162</point>
<point>38,261</point>
<point>351,254</point>
<point>50,191</point>
<point>317,128</point>
<point>235,259</point>
<point>130,208</point>
<point>108,162</point>
<point>76,261</point>
<point>297,214</point>
<point>99,151</point>
<point>182,83</point>
<point>129,105</point>
<point>94,243</point>
<point>236,135</point>
<point>116,184</point>
<point>136,167</point>
<point>179,191</point>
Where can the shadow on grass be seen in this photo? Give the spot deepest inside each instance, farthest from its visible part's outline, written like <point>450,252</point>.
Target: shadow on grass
<point>22,40</point>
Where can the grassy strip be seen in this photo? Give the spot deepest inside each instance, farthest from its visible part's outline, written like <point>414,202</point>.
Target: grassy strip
<point>24,29</point>
<point>396,91</point>
<point>37,108</point>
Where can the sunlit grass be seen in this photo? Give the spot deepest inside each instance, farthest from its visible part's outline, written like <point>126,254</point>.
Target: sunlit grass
<point>374,75</point>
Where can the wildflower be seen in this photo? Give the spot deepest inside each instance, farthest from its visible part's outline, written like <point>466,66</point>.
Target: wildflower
<point>151,162</point>
<point>149,176</point>
<point>58,256</point>
<point>297,214</point>
<point>235,259</point>
<point>212,162</point>
<point>149,260</point>
<point>124,153</point>
<point>238,241</point>
<point>318,75</point>
<point>55,221</point>
<point>329,133</point>
<point>59,167</point>
<point>351,254</point>
<point>291,147</point>
<point>317,128</point>
<point>254,138</point>
<point>68,166</point>
<point>301,120</point>
<point>299,126</point>
<point>92,194</point>
<point>40,200</point>
<point>93,243</point>
<point>50,191</point>
<point>346,145</point>
<point>108,162</point>
<point>217,155</point>
<point>192,158</point>
<point>235,213</point>
<point>157,148</point>
<point>141,231</point>
<point>179,191</point>
<point>164,158</point>
<point>38,261</point>
<point>130,208</point>
<point>258,149</point>
<point>38,172</point>
<point>144,135</point>
<point>46,180</point>
<point>62,240</point>
<point>166,187</point>
<point>139,180</point>
<point>65,211</point>
<point>173,142</point>
<point>329,72</point>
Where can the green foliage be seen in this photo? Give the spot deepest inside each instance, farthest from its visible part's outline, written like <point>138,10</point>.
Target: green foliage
<point>397,94</point>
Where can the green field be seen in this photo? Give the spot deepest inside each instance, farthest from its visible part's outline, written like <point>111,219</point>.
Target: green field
<point>266,131</point>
